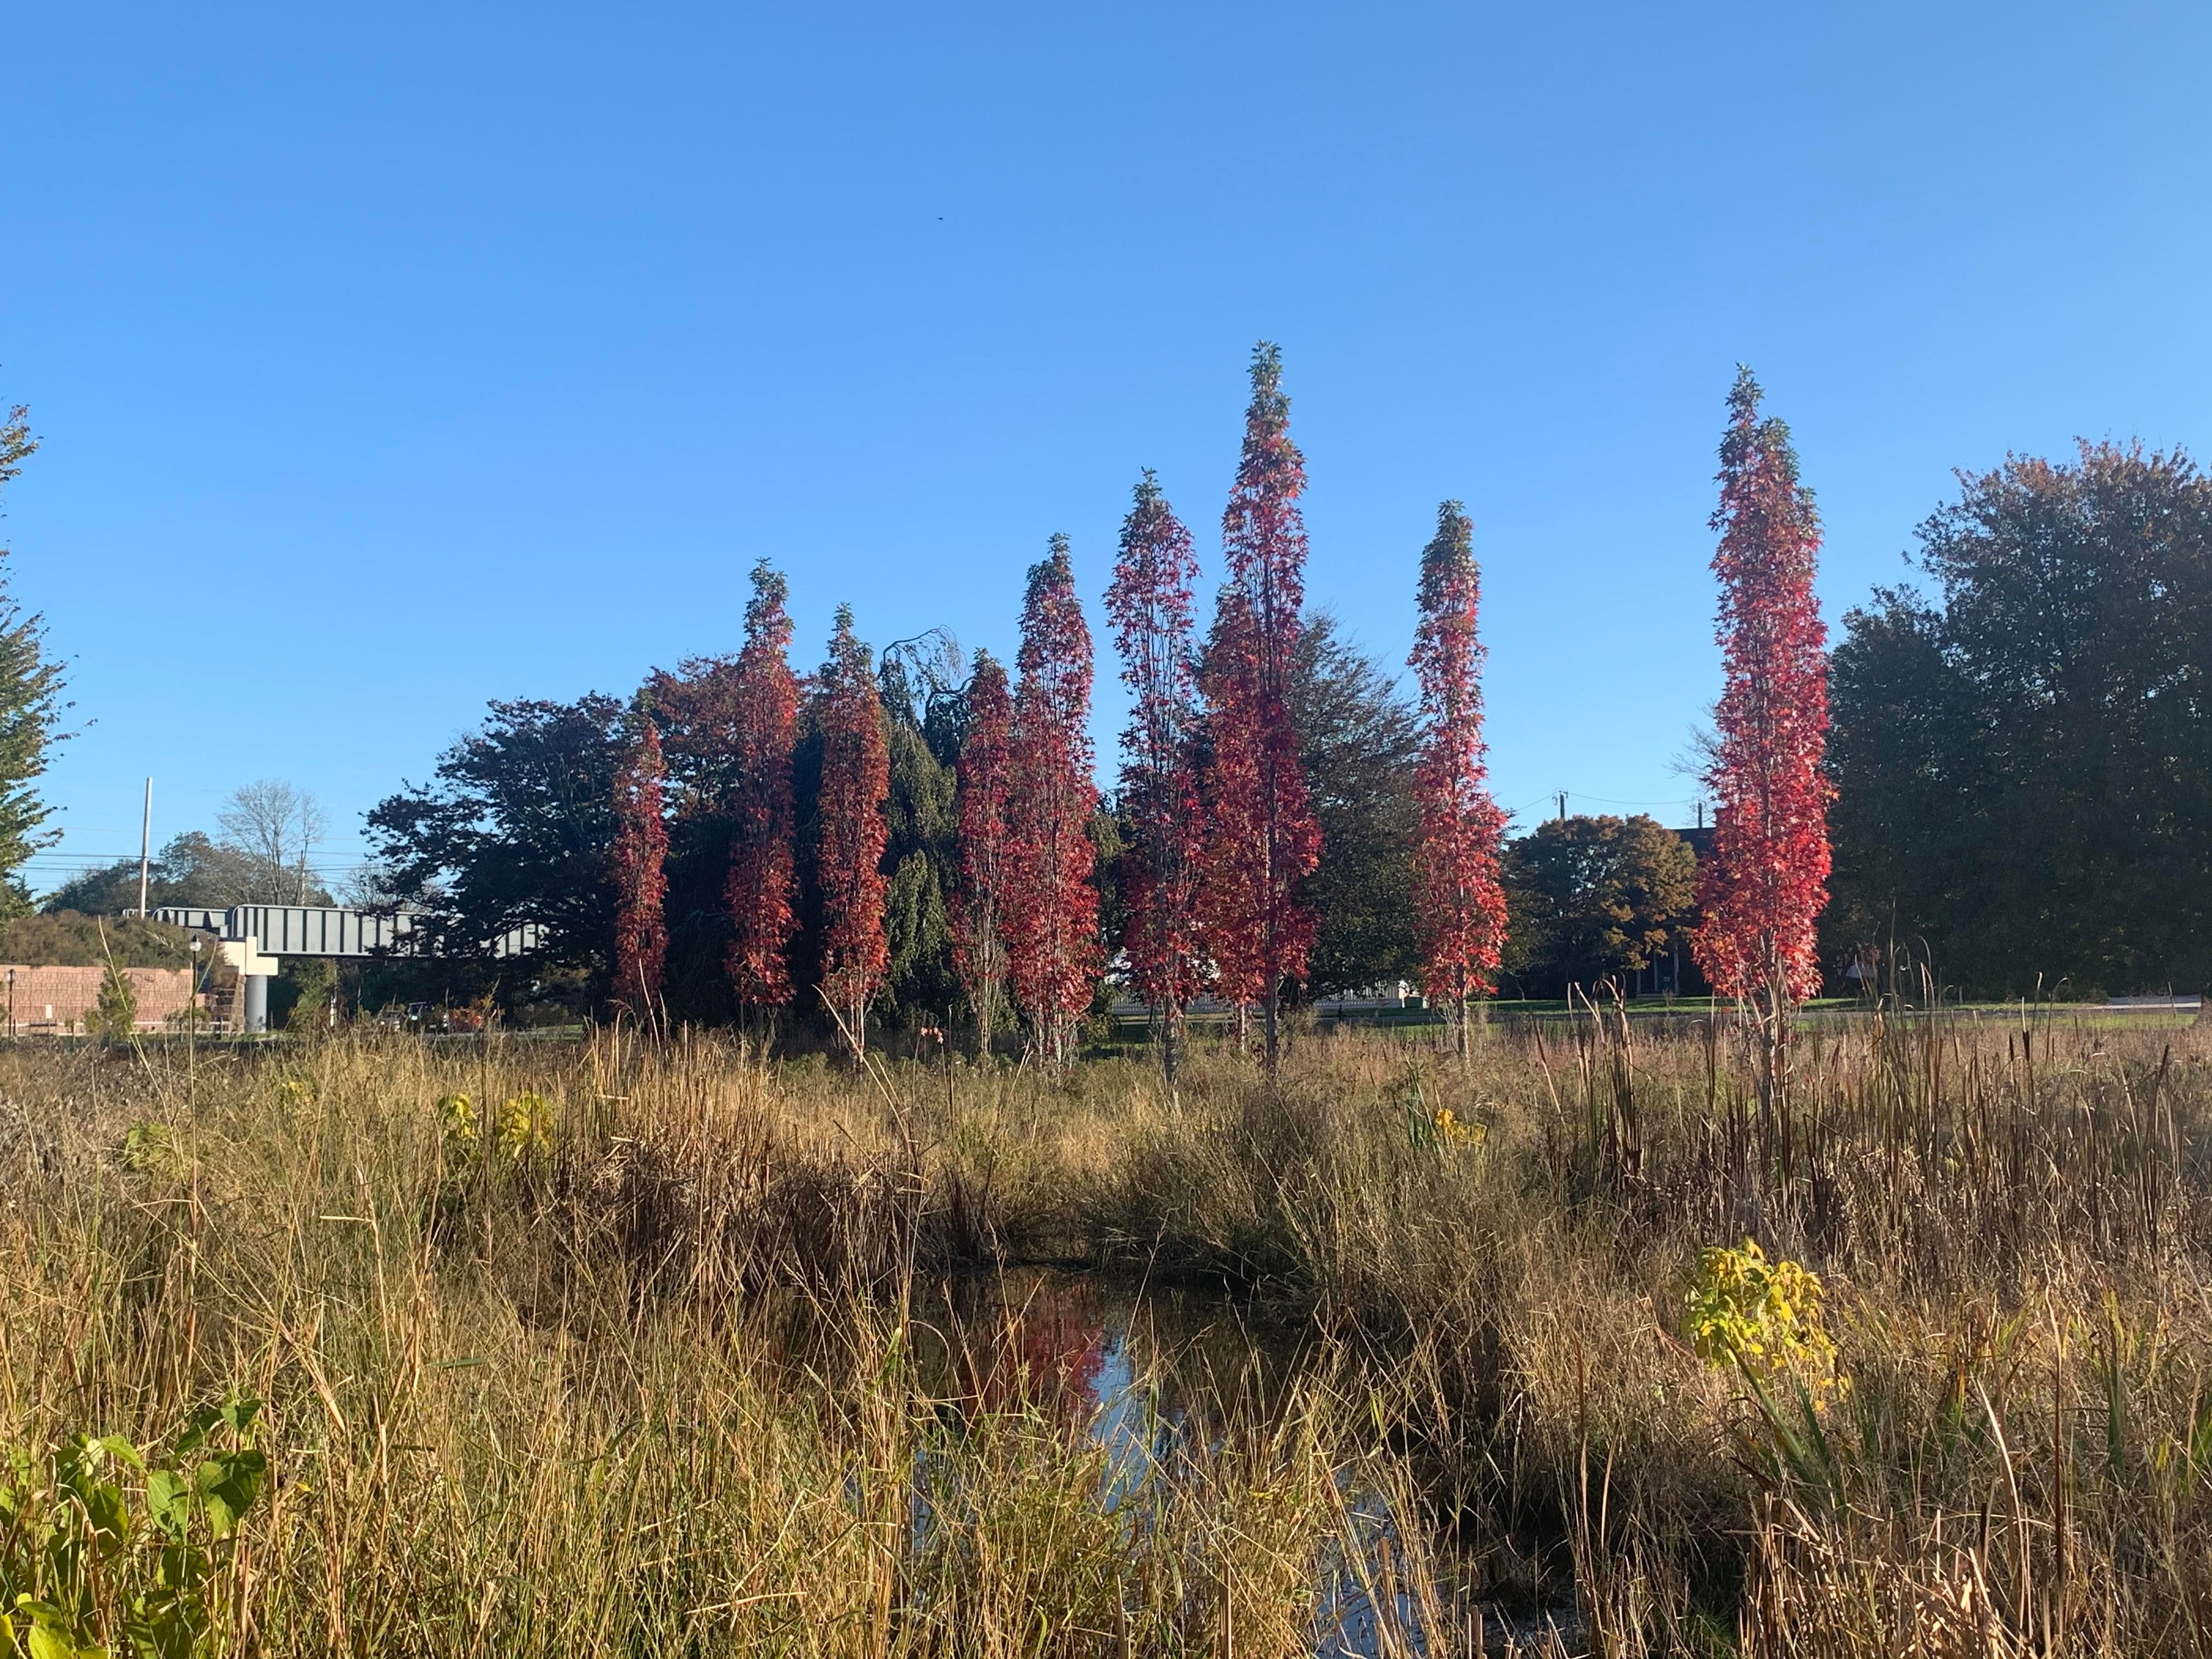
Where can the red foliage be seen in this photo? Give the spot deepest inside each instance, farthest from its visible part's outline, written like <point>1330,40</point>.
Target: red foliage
<point>1459,907</point>
<point>979,947</point>
<point>1150,602</point>
<point>1263,838</point>
<point>640,855</point>
<point>855,784</point>
<point>1051,914</point>
<point>1762,889</point>
<point>763,723</point>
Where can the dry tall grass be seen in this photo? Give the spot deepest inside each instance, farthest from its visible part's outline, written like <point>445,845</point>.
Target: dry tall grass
<point>653,1375</point>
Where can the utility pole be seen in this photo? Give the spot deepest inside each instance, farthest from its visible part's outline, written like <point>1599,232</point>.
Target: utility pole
<point>145,844</point>
<point>1563,806</point>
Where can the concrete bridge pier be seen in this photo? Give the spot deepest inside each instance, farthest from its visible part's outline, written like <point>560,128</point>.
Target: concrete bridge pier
<point>257,1002</point>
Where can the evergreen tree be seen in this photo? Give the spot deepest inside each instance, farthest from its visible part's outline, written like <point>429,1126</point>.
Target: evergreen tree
<point>917,680</point>
<point>115,1013</point>
<point>1360,741</point>
<point>30,702</point>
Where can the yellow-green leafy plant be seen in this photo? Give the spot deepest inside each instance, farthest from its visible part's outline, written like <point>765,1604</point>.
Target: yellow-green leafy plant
<point>457,1117</point>
<point>1763,1317</point>
<point>149,1148</point>
<point>1453,1130</point>
<point>525,1126</point>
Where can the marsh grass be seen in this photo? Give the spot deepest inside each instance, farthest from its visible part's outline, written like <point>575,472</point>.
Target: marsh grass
<point>668,1368</point>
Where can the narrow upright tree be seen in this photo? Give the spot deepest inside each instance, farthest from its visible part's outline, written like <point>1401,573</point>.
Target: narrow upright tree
<point>764,725</point>
<point>1459,905</point>
<point>855,784</point>
<point>640,855</point>
<point>1150,604</point>
<point>1051,916</point>
<point>31,703</point>
<point>979,945</point>
<point>1762,890</point>
<point>1264,840</point>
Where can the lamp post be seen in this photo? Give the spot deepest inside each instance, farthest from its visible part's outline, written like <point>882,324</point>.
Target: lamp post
<point>191,1040</point>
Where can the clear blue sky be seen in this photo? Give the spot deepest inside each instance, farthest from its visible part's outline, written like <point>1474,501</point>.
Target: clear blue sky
<point>391,359</point>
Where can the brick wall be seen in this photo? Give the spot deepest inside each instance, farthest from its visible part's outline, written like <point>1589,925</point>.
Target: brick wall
<point>59,999</point>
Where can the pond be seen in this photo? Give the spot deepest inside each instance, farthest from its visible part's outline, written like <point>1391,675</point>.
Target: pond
<point>1149,1372</point>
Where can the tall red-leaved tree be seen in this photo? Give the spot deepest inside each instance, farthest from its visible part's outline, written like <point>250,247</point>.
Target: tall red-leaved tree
<point>855,784</point>
<point>1459,906</point>
<point>641,857</point>
<point>1149,604</point>
<point>764,725</point>
<point>979,944</point>
<point>1263,840</point>
<point>1051,915</point>
<point>1762,890</point>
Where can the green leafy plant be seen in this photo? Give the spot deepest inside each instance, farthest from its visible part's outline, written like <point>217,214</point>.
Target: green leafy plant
<point>85,1573</point>
<point>149,1148</point>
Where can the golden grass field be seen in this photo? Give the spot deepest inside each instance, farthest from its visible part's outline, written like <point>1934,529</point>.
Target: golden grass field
<point>659,1349</point>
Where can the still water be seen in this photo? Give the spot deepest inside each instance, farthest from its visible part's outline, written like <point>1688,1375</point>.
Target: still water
<point>1149,1372</point>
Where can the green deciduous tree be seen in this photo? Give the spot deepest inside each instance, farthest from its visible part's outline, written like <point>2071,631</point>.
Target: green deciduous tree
<point>2024,760</point>
<point>1593,899</point>
<point>518,827</point>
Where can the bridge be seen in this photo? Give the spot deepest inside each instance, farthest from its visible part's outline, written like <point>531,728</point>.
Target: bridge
<point>254,938</point>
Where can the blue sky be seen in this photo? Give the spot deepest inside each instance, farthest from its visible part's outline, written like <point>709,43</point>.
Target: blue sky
<point>392,359</point>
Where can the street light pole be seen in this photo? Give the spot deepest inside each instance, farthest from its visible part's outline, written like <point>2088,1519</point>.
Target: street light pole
<point>145,845</point>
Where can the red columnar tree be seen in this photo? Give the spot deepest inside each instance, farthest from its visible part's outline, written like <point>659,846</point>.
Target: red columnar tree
<point>1763,888</point>
<point>1150,602</point>
<point>979,945</point>
<point>1051,915</point>
<point>763,720</point>
<point>640,855</point>
<point>1459,907</point>
<point>1263,837</point>
<point>855,784</point>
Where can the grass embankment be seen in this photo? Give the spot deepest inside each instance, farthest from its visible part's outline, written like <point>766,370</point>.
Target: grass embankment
<point>637,1370</point>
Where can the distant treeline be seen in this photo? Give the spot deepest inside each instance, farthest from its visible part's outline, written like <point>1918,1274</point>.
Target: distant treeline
<point>520,821</point>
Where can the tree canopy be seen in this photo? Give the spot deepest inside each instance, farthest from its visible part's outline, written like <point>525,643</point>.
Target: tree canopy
<point>2023,761</point>
<point>517,827</point>
<point>1593,899</point>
